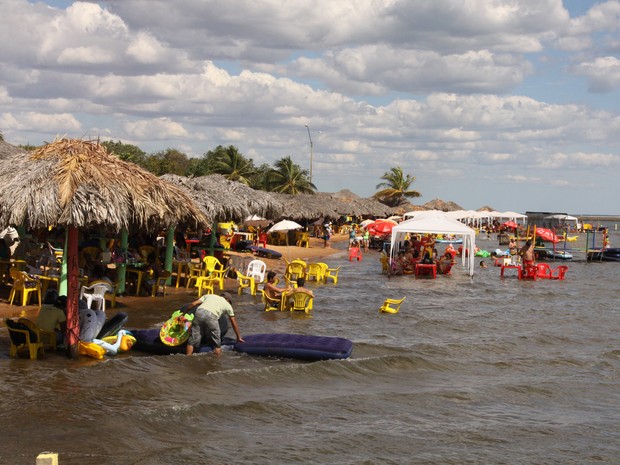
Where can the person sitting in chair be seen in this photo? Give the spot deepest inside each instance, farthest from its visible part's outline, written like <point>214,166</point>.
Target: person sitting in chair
<point>272,291</point>
<point>153,271</point>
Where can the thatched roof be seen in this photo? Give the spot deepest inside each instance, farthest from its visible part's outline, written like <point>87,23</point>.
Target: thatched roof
<point>486,208</point>
<point>222,199</point>
<point>438,204</point>
<point>78,183</point>
<point>328,205</point>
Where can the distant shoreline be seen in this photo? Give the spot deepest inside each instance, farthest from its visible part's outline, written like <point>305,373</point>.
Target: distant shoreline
<point>598,217</point>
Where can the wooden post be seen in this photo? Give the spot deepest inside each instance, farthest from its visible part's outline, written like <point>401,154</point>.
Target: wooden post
<point>121,268</point>
<point>169,252</point>
<point>73,325</point>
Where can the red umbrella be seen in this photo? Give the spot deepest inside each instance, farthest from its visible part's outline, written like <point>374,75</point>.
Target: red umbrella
<point>547,235</point>
<point>510,224</point>
<point>381,227</point>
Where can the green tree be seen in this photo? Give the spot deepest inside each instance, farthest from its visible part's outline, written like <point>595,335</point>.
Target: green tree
<point>395,188</point>
<point>169,161</point>
<point>229,162</point>
<point>289,178</point>
<point>260,178</point>
<point>126,152</point>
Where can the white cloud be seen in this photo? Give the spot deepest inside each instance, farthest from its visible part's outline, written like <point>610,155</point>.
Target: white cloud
<point>603,73</point>
<point>460,90</point>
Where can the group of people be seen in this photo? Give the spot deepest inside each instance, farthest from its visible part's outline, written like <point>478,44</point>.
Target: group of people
<point>354,239</point>
<point>423,250</point>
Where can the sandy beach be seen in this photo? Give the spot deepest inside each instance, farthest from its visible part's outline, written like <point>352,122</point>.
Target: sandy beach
<point>128,302</point>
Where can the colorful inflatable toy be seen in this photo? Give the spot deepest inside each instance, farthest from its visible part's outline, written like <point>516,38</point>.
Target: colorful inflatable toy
<point>175,331</point>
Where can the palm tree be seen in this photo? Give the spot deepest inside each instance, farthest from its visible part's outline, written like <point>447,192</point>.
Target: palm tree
<point>289,178</point>
<point>233,165</point>
<point>396,187</point>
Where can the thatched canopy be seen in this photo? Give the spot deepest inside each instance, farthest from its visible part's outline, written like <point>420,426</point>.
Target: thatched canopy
<point>78,183</point>
<point>438,204</point>
<point>329,205</point>
<point>223,200</point>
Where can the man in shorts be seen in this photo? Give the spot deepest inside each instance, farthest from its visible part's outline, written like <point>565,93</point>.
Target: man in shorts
<point>209,324</point>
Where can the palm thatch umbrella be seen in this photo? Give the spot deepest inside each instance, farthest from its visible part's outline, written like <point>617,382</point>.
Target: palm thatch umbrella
<point>75,184</point>
<point>224,200</point>
<point>438,204</point>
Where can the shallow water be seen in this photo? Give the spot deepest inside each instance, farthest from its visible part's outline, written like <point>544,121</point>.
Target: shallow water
<point>470,371</point>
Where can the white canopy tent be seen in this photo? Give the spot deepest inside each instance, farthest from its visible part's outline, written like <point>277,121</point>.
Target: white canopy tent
<point>434,222</point>
<point>560,218</point>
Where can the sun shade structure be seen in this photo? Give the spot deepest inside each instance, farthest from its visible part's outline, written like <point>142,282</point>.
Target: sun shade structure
<point>76,183</point>
<point>224,200</point>
<point>434,222</point>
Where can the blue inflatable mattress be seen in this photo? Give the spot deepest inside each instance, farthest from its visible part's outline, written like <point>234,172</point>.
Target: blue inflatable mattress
<point>296,346</point>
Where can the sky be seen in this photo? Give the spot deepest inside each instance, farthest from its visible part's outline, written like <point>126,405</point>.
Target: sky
<point>512,104</point>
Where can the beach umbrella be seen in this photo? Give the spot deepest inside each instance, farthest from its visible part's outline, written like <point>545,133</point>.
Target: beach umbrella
<point>365,223</point>
<point>510,224</point>
<point>285,226</point>
<point>381,227</point>
<point>73,184</point>
<point>547,235</point>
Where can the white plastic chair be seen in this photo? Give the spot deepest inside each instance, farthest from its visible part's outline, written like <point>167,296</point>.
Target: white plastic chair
<point>257,269</point>
<point>95,293</point>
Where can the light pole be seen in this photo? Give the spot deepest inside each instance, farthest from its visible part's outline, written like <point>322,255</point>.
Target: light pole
<point>311,150</point>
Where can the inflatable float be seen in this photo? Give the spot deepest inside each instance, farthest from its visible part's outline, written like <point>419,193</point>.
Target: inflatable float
<point>265,253</point>
<point>297,346</point>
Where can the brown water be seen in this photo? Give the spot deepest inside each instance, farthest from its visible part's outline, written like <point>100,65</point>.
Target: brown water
<point>482,371</point>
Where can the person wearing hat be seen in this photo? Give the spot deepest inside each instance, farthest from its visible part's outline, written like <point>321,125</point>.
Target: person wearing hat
<point>209,324</point>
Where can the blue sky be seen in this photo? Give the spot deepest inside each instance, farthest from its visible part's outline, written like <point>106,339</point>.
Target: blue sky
<point>495,102</point>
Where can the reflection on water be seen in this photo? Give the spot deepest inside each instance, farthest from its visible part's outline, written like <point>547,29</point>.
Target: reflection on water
<point>482,370</point>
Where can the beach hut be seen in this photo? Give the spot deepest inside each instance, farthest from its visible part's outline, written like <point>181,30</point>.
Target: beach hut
<point>77,184</point>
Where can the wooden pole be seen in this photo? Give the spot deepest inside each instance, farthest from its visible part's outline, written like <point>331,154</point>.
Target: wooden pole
<point>169,252</point>
<point>73,325</point>
<point>121,268</point>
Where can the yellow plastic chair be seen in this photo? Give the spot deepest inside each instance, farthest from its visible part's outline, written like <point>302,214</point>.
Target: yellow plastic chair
<point>298,301</point>
<point>160,283</point>
<point>194,272</point>
<point>271,303</point>
<point>303,239</point>
<point>315,272</point>
<point>391,305</point>
<point>289,282</point>
<point>24,339</point>
<point>212,264</point>
<point>332,273</point>
<point>246,282</point>
<point>295,269</point>
<point>205,285</point>
<point>218,276</point>
<point>385,264</point>
<point>24,284</point>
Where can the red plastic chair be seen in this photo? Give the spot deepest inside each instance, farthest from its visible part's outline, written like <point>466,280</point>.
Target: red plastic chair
<point>355,252</point>
<point>529,272</point>
<point>543,271</point>
<point>559,272</point>
<point>262,239</point>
